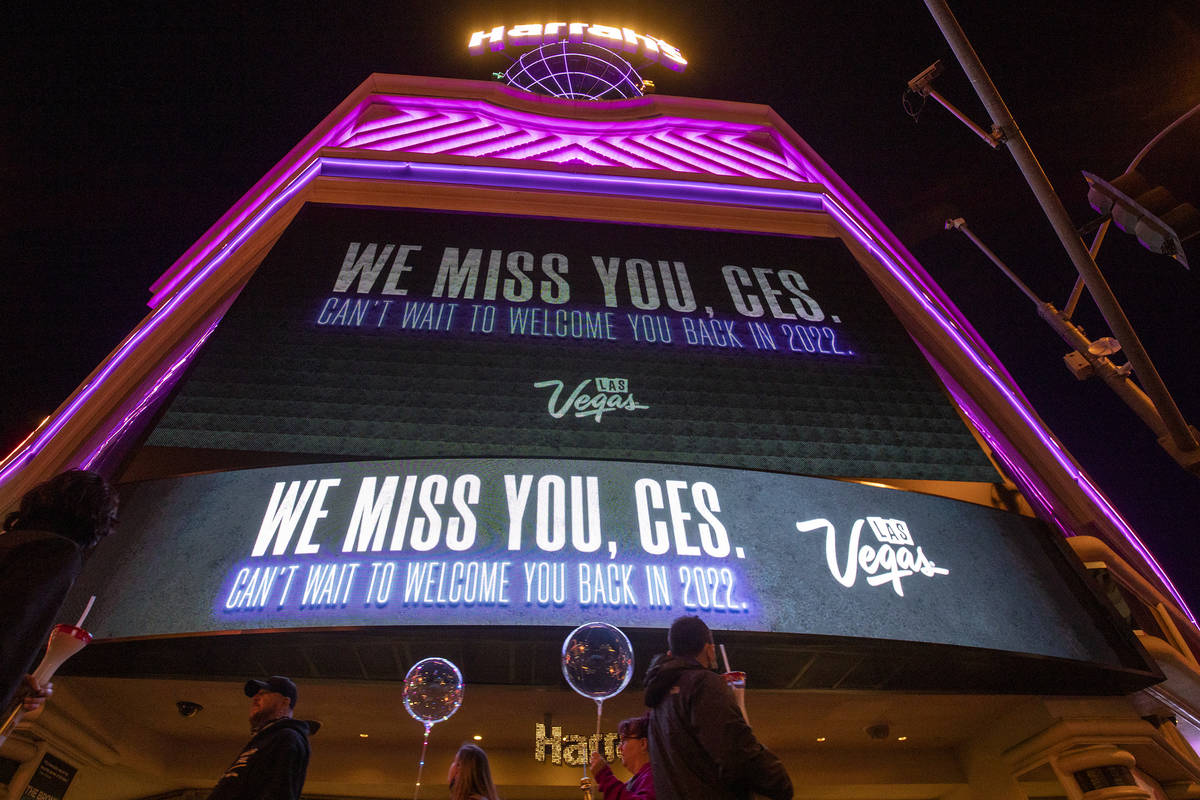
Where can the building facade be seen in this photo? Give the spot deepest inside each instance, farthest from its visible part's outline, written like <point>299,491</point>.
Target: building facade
<point>470,367</point>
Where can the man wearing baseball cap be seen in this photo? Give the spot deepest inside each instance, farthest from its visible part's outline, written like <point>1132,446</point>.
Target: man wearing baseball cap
<point>273,763</point>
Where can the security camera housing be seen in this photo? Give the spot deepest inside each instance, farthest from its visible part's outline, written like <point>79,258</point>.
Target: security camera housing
<point>188,709</point>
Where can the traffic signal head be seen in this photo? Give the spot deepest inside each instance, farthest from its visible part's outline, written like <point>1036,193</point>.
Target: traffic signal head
<point>1151,213</point>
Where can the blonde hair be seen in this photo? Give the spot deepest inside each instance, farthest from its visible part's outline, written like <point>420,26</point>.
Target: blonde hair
<point>474,776</point>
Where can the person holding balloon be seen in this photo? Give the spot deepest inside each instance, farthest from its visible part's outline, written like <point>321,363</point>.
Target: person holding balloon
<point>634,749</point>
<point>470,776</point>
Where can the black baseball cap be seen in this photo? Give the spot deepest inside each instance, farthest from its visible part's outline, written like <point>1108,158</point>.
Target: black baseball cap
<point>275,683</point>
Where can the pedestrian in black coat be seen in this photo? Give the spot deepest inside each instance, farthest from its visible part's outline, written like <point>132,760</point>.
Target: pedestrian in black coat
<point>42,551</point>
<point>274,763</point>
<point>700,745</point>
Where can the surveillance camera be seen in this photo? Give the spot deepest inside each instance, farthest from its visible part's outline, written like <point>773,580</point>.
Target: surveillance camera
<point>188,709</point>
<point>920,84</point>
<point>879,731</point>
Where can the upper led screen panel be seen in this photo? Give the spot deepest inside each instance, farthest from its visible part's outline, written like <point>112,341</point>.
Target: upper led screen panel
<point>386,333</point>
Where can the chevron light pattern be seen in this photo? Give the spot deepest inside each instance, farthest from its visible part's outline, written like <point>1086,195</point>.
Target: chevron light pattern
<point>474,129</point>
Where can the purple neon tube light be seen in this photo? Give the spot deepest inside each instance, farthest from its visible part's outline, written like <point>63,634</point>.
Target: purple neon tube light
<point>1017,402</point>
<point>144,402</point>
<point>547,180</point>
<point>151,323</point>
<point>420,113</point>
<point>505,177</point>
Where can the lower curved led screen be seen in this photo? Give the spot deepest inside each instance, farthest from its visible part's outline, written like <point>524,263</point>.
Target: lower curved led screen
<point>562,542</point>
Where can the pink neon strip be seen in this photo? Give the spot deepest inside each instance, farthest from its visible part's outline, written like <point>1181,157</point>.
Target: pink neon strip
<point>638,145</point>
<point>771,169</point>
<point>591,128</point>
<point>141,406</point>
<point>415,136</point>
<point>756,155</point>
<point>533,150</point>
<point>450,143</point>
<point>702,143</point>
<point>497,145</point>
<point>620,156</point>
<point>691,155</point>
<point>399,116</point>
<point>410,122</point>
<point>126,348</point>
<point>724,151</point>
<point>285,175</point>
<point>574,152</point>
<point>413,123</point>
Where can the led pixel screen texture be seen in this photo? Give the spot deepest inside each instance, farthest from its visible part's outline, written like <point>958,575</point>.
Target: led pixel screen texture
<point>366,333</point>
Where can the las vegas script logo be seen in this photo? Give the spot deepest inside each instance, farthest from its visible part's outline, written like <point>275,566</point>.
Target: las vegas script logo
<point>891,561</point>
<point>593,397</point>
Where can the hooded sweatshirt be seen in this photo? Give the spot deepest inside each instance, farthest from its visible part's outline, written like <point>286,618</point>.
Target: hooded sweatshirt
<point>700,745</point>
<point>271,766</point>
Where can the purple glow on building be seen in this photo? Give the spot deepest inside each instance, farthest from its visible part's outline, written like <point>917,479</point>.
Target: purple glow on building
<point>144,403</point>
<point>658,143</point>
<point>128,347</point>
<point>506,178</point>
<point>389,123</point>
<point>475,128</point>
<point>280,175</point>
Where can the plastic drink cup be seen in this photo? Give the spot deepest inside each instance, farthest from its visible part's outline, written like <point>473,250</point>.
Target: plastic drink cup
<point>737,684</point>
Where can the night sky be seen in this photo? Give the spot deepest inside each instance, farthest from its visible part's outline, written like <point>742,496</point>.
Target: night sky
<point>128,130</point>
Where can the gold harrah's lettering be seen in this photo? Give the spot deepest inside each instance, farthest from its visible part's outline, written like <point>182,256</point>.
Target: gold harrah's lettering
<point>571,749</point>
<point>533,34</point>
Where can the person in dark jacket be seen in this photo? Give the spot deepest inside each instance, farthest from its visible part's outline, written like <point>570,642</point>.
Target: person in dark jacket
<point>633,747</point>
<point>274,762</point>
<point>42,551</point>
<point>700,745</point>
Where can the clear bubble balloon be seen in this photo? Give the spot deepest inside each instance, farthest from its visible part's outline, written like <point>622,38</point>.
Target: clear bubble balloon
<point>433,691</point>
<point>597,660</point>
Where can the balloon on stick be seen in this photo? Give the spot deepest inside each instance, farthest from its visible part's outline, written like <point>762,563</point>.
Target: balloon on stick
<point>597,661</point>
<point>433,691</point>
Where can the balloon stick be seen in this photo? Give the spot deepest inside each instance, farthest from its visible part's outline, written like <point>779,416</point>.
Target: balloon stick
<point>421,765</point>
<point>87,610</point>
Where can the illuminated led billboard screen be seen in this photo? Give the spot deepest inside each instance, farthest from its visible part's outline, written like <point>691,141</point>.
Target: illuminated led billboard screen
<point>463,419</point>
<point>381,333</point>
<point>549,542</point>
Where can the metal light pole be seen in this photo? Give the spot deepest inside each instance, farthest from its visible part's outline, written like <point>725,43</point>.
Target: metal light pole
<point>1181,439</point>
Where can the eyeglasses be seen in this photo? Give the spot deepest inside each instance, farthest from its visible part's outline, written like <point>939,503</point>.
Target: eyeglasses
<point>624,739</point>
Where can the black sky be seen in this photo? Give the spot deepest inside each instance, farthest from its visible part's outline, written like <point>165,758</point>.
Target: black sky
<point>130,128</point>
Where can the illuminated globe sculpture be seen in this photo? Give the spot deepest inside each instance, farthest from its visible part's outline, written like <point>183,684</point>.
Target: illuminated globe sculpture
<point>575,71</point>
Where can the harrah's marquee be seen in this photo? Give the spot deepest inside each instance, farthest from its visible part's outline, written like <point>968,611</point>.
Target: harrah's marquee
<point>612,37</point>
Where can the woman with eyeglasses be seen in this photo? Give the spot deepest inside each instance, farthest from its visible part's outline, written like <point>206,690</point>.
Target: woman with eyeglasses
<point>634,751</point>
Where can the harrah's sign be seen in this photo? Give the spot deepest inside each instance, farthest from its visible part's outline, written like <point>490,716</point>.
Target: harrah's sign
<point>614,38</point>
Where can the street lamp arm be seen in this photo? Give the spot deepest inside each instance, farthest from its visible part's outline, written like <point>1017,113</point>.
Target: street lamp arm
<point>1101,366</point>
<point>1158,137</point>
<point>1181,435</point>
